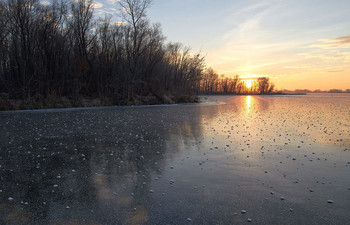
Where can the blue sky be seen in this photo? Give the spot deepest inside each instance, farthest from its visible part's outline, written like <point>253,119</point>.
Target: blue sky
<point>298,43</point>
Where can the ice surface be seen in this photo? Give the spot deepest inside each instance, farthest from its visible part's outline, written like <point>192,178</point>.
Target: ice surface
<point>163,164</point>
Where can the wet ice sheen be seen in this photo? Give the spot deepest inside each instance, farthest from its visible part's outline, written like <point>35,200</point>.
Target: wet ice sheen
<point>191,163</point>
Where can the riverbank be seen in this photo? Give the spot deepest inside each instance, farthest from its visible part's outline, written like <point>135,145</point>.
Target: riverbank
<point>56,102</point>
<point>52,102</point>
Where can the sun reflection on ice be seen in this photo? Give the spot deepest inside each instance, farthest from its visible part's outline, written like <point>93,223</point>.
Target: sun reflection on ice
<point>248,102</point>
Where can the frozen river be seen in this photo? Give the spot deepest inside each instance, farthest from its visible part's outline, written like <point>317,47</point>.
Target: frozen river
<point>228,160</point>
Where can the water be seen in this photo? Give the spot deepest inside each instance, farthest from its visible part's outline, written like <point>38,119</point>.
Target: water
<point>228,160</point>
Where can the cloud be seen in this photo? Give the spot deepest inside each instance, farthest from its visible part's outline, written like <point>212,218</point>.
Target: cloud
<point>102,12</point>
<point>113,1</point>
<point>336,71</point>
<point>45,3</point>
<point>97,5</point>
<point>299,66</point>
<point>119,23</point>
<point>339,42</point>
<point>343,40</point>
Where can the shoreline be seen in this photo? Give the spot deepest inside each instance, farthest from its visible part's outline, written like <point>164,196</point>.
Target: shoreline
<point>54,102</point>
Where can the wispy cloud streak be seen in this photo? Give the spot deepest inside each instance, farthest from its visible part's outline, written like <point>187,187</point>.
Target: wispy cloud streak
<point>339,42</point>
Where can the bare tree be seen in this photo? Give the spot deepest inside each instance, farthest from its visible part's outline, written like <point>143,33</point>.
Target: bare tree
<point>134,14</point>
<point>23,18</point>
<point>51,42</point>
<point>233,84</point>
<point>81,24</point>
<point>264,85</point>
<point>153,56</point>
<point>4,30</point>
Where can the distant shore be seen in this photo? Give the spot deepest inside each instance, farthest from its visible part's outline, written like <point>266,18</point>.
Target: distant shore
<point>245,94</point>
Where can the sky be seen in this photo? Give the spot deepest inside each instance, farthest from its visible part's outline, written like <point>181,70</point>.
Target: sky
<point>299,44</point>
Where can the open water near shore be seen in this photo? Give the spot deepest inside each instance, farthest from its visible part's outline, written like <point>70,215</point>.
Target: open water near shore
<point>227,160</point>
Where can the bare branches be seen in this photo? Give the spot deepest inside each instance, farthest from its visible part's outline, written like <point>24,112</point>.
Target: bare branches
<point>133,11</point>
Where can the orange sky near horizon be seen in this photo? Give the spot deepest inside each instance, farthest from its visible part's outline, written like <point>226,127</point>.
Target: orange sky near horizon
<point>324,64</point>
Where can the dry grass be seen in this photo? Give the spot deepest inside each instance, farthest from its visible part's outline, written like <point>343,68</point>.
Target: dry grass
<point>53,101</point>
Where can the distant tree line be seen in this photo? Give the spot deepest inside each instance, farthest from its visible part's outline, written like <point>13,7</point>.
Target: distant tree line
<point>305,91</point>
<point>60,49</point>
<point>212,83</point>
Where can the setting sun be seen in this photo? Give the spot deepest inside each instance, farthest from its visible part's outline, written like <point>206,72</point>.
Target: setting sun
<point>248,83</point>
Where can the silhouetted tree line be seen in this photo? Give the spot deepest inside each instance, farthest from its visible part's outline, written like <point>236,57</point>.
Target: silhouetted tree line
<point>60,49</point>
<point>212,83</point>
<point>306,91</point>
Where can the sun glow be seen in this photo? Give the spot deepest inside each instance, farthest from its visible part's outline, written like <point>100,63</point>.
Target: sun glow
<point>248,83</point>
